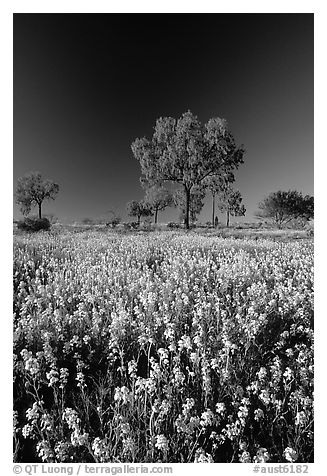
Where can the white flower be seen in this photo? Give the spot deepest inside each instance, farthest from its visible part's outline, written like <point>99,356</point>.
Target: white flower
<point>290,454</point>
<point>161,443</point>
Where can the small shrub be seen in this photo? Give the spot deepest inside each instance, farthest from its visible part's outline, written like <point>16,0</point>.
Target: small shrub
<point>33,224</point>
<point>113,222</point>
<point>173,225</point>
<point>132,225</point>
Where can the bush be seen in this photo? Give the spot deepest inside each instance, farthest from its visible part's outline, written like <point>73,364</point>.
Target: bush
<point>113,222</point>
<point>33,224</point>
<point>173,225</point>
<point>132,225</point>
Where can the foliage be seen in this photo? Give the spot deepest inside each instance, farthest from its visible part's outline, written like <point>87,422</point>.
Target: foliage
<point>158,198</point>
<point>32,190</point>
<point>33,224</point>
<point>186,152</point>
<point>181,348</point>
<point>139,209</point>
<point>284,206</point>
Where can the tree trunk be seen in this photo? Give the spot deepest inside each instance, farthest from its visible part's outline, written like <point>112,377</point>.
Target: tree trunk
<point>40,216</point>
<point>187,209</point>
<point>227,218</point>
<point>213,209</point>
<point>138,219</point>
<point>156,216</point>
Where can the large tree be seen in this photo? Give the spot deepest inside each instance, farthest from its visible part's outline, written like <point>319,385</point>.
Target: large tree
<point>139,209</point>
<point>159,198</point>
<point>32,190</point>
<point>230,201</point>
<point>186,152</point>
<point>283,206</point>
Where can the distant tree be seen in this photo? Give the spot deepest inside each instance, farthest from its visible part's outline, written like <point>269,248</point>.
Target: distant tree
<point>196,202</point>
<point>284,206</point>
<point>32,190</point>
<point>158,198</point>
<point>215,185</point>
<point>186,152</point>
<point>230,201</point>
<point>113,219</point>
<point>139,209</point>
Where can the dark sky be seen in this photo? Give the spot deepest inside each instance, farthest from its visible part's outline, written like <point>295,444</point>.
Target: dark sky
<point>86,85</point>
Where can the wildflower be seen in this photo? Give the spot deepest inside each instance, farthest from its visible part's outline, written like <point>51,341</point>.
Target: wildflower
<point>265,397</point>
<point>262,456</point>
<point>52,376</point>
<point>165,407</point>
<point>258,414</point>
<point>202,457</point>
<point>188,405</point>
<point>245,457</point>
<point>129,445</point>
<point>288,374</point>
<point>31,364</point>
<point>32,414</point>
<point>290,454</point>
<point>44,451</point>
<point>81,380</point>
<point>64,373</point>
<point>62,451</point>
<point>262,373</point>
<point>220,408</point>
<point>71,418</point>
<point>161,443</point>
<point>300,419</point>
<point>132,368</point>
<point>207,418</point>
<point>27,430</point>
<point>46,423</point>
<point>100,449</point>
<point>122,395</point>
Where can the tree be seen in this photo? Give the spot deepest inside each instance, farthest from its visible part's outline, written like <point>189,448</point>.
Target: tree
<point>113,219</point>
<point>283,206</point>
<point>139,209</point>
<point>230,201</point>
<point>158,198</point>
<point>215,184</point>
<point>186,152</point>
<point>196,202</point>
<point>32,190</point>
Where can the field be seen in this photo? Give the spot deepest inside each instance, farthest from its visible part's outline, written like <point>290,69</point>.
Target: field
<point>162,347</point>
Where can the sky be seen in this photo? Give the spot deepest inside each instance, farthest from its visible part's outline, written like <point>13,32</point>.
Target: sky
<point>87,85</point>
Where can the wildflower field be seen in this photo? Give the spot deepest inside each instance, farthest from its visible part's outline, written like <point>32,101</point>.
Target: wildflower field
<point>162,347</point>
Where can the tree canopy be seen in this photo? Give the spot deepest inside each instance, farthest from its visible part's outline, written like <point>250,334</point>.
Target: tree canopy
<point>32,190</point>
<point>186,152</point>
<point>283,206</point>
